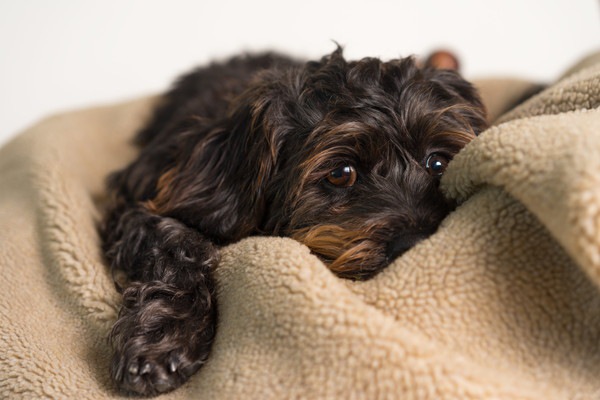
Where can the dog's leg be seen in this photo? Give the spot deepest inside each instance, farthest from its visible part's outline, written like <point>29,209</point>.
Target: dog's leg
<point>166,325</point>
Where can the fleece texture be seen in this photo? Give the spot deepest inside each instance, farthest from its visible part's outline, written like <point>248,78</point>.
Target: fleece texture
<point>503,302</point>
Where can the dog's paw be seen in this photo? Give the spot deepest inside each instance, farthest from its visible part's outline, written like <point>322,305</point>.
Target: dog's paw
<point>151,374</point>
<point>163,336</point>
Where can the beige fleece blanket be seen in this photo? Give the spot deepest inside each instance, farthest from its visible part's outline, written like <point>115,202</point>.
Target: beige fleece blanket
<point>502,302</point>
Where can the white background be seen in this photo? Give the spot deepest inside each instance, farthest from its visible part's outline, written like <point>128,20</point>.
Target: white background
<point>61,54</point>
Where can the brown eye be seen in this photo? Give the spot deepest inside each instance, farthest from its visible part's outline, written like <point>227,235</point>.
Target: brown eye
<point>436,164</point>
<point>343,176</point>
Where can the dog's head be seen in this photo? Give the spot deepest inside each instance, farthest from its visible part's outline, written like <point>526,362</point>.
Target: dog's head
<point>345,157</point>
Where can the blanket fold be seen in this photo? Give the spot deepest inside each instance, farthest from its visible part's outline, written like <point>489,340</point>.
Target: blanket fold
<point>503,302</point>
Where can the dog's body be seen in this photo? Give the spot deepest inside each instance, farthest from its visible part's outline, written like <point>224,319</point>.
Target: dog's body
<point>343,156</point>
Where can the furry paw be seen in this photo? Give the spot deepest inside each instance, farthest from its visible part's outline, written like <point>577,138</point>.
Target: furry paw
<point>163,336</point>
<point>150,374</point>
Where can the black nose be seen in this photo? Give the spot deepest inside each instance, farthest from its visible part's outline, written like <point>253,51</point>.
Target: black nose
<point>404,242</point>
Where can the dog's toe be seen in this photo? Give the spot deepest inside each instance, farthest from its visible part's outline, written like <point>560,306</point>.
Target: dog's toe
<point>148,377</point>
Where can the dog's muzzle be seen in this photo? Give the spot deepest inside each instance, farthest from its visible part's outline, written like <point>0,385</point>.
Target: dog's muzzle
<point>404,242</point>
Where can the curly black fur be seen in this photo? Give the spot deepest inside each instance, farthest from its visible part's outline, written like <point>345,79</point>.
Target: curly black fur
<point>343,156</point>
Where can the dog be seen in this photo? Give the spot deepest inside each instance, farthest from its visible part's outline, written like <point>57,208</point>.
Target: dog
<point>343,156</point>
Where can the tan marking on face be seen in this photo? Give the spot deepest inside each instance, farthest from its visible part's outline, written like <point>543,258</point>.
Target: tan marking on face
<point>346,252</point>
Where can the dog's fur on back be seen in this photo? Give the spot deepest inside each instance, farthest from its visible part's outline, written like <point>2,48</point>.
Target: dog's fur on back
<point>344,157</point>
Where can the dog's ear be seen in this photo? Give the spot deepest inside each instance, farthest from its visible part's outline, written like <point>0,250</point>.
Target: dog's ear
<point>442,59</point>
<point>218,181</point>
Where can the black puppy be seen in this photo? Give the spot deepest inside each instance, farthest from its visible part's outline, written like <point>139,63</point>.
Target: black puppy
<point>344,157</point>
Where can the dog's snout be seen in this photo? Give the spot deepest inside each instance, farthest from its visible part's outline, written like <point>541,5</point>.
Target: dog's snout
<point>404,242</point>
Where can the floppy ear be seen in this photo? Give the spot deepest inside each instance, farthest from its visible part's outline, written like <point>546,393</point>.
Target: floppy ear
<point>217,183</point>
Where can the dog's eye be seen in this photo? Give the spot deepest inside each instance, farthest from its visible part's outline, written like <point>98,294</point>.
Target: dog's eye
<point>436,164</point>
<point>343,176</point>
